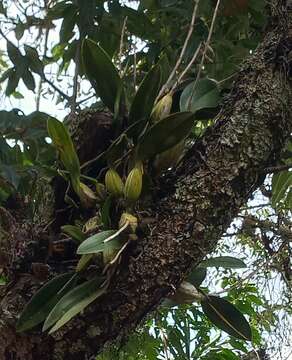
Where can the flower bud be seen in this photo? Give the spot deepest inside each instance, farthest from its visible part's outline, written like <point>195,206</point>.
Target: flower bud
<point>162,108</point>
<point>133,185</point>
<point>114,183</point>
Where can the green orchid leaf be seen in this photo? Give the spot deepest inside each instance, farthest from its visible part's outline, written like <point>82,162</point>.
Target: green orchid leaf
<point>145,97</point>
<point>165,134</point>
<point>96,243</point>
<point>102,74</point>
<point>105,212</point>
<point>73,303</point>
<point>64,144</point>
<point>74,232</point>
<point>41,304</point>
<point>205,95</point>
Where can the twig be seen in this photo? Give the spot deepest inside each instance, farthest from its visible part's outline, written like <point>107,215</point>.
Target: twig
<point>188,67</point>
<point>39,91</point>
<point>254,207</point>
<point>84,165</point>
<point>135,67</point>
<point>204,52</point>
<point>122,42</point>
<point>65,96</point>
<point>276,169</point>
<point>85,99</point>
<point>227,78</point>
<point>179,60</point>
<point>75,79</point>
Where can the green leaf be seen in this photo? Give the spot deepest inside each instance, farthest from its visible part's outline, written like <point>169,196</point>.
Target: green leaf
<point>197,276</point>
<point>2,9</point>
<point>227,262</point>
<point>87,14</point>
<point>19,30</point>
<point>281,183</point>
<point>59,10</point>
<point>84,262</point>
<point>13,80</point>
<point>14,54</point>
<point>145,97</point>
<point>105,213</point>
<point>225,315</point>
<point>28,80</point>
<point>73,303</point>
<point>74,232</point>
<point>101,72</point>
<point>96,243</point>
<point>6,74</point>
<point>3,280</point>
<point>17,95</point>
<point>165,134</point>
<point>63,142</point>
<point>38,308</point>
<point>205,95</point>
<point>139,24</point>
<point>68,23</point>
<point>34,61</point>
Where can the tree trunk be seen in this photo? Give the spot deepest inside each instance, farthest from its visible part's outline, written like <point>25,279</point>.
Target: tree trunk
<point>198,202</point>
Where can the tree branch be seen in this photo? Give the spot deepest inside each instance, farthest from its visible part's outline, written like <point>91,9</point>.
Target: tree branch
<point>180,58</point>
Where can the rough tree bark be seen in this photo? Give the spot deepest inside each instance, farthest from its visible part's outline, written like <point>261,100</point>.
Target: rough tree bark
<point>198,202</point>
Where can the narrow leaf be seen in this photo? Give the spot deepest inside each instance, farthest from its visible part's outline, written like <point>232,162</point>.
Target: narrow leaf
<point>105,212</point>
<point>227,262</point>
<point>13,80</point>
<point>35,63</point>
<point>83,262</point>
<point>63,142</point>
<point>281,183</point>
<point>74,232</point>
<point>28,79</point>
<point>145,97</point>
<point>14,54</point>
<point>73,303</point>
<point>38,308</point>
<point>96,243</point>
<point>101,72</point>
<point>225,315</point>
<point>165,134</point>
